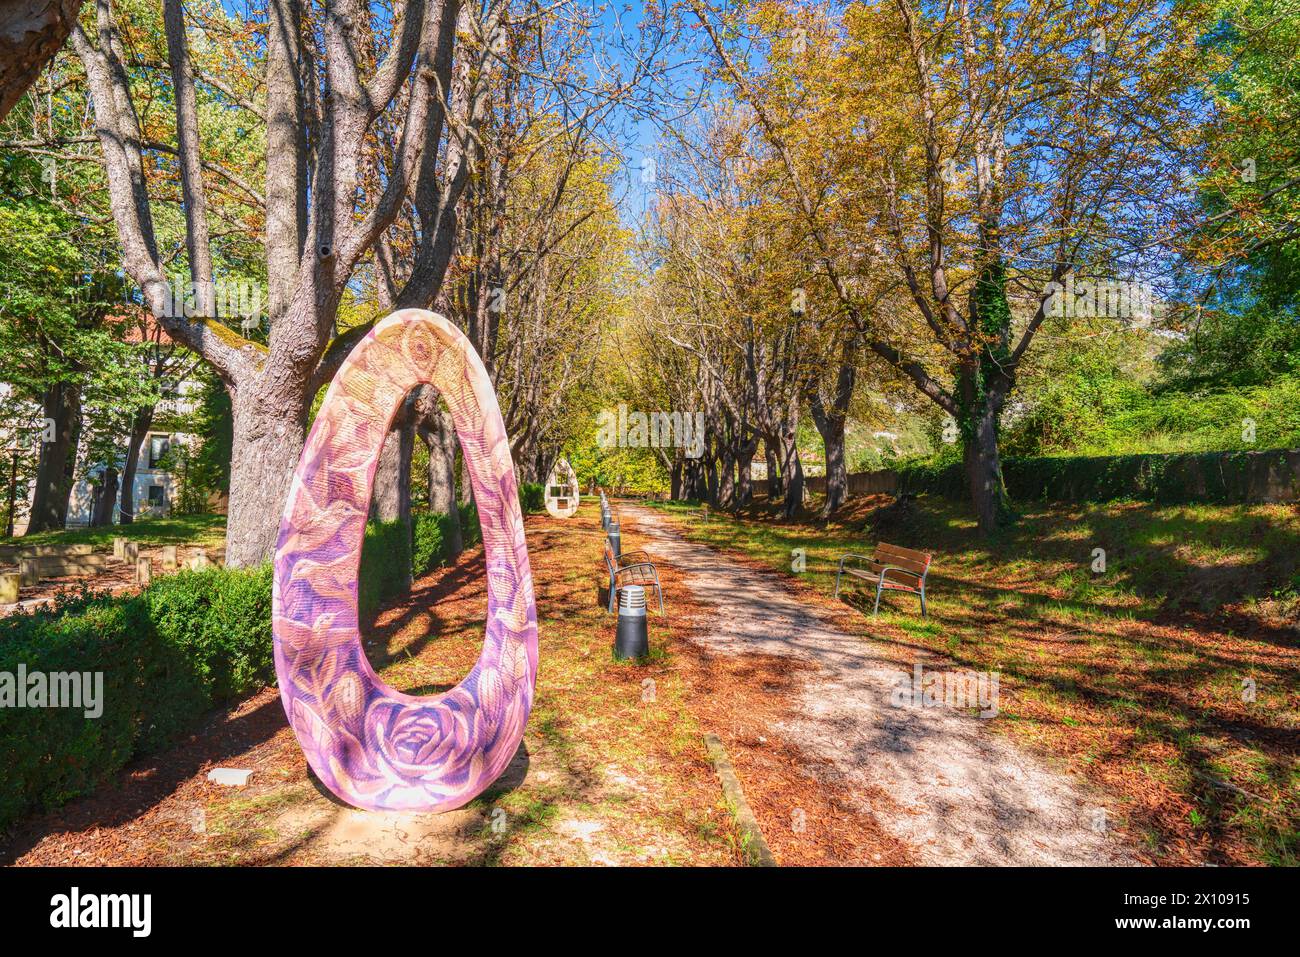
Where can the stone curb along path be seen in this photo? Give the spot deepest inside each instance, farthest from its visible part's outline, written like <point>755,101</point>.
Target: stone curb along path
<point>757,853</point>
<point>958,793</point>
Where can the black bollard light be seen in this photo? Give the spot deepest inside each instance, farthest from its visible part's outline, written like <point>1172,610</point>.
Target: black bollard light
<point>615,539</point>
<point>604,517</point>
<point>631,639</point>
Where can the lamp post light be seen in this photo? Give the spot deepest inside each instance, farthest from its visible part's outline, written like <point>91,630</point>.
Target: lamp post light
<point>616,539</point>
<point>631,639</point>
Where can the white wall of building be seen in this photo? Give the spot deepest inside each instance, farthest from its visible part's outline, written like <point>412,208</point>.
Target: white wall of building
<point>155,489</point>
<point>149,481</point>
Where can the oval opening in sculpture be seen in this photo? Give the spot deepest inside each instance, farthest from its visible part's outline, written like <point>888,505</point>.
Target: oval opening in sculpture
<point>371,745</point>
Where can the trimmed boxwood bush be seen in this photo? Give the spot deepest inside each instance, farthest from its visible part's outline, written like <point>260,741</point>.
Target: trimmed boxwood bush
<point>385,566</point>
<point>470,531</point>
<point>185,644</point>
<point>51,755</point>
<point>220,622</point>
<point>430,532</point>
<point>167,655</point>
<point>532,497</point>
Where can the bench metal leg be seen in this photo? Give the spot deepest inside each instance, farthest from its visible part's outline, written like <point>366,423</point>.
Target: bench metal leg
<point>875,610</point>
<point>923,611</point>
<point>837,580</point>
<point>613,595</point>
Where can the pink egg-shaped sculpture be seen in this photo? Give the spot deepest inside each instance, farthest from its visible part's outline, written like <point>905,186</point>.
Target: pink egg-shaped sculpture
<point>371,745</point>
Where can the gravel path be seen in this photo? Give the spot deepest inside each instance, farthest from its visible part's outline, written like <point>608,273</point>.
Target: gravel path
<point>958,793</point>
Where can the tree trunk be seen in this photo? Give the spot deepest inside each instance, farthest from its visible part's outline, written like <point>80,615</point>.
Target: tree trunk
<point>791,470</point>
<point>466,486</point>
<point>726,477</point>
<point>773,469</point>
<point>793,493</point>
<point>691,472</point>
<point>984,471</point>
<point>140,426</point>
<point>711,476</point>
<point>837,471</point>
<point>390,500</point>
<point>675,488</point>
<point>31,33</point>
<point>830,420</point>
<point>744,475</point>
<point>101,513</point>
<point>441,440</point>
<point>269,434</point>
<point>70,463</point>
<point>62,404</point>
<point>831,428</point>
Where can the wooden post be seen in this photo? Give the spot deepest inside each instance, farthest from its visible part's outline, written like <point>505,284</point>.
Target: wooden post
<point>131,552</point>
<point>198,560</point>
<point>119,548</point>
<point>143,571</point>
<point>10,582</point>
<point>169,561</point>
<point>29,571</point>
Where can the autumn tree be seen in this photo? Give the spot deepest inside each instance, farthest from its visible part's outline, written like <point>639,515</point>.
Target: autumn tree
<point>61,346</point>
<point>976,154</point>
<point>314,82</point>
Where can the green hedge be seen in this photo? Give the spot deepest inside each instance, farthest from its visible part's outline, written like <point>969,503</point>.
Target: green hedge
<point>430,532</point>
<point>385,566</point>
<point>532,497</point>
<point>187,642</point>
<point>470,531</point>
<point>218,622</point>
<point>1221,477</point>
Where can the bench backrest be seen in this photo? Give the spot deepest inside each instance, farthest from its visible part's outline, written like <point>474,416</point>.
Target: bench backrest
<point>906,558</point>
<point>610,561</point>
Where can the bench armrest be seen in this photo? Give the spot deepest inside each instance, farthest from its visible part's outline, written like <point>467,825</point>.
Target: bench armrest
<point>865,558</point>
<point>641,556</point>
<point>884,569</point>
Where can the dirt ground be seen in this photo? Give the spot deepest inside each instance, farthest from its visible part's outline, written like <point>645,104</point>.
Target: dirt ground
<point>116,577</point>
<point>612,769</point>
<point>932,779</point>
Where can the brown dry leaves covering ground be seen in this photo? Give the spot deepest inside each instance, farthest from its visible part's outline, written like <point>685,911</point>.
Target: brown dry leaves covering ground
<point>1144,701</point>
<point>740,699</point>
<point>1146,706</point>
<point>609,773</point>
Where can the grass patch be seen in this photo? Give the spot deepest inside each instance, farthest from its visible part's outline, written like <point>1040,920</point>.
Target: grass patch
<point>1171,679</point>
<point>200,531</point>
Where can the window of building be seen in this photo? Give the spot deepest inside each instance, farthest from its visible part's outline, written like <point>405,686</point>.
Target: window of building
<point>157,496</point>
<point>158,447</point>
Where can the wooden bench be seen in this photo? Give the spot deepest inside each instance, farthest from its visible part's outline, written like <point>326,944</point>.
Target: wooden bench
<point>632,568</point>
<point>891,568</point>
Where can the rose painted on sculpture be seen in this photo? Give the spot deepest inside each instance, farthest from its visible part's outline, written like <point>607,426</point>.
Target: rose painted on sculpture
<point>370,744</point>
